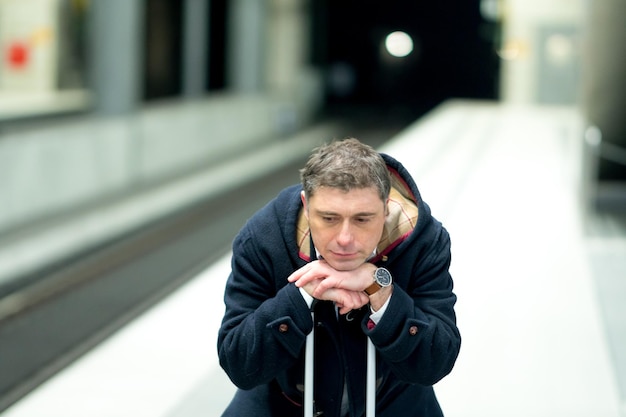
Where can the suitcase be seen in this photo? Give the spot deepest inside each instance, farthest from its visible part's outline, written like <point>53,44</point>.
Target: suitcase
<point>370,393</point>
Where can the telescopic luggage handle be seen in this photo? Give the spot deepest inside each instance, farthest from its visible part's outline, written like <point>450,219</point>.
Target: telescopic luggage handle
<point>370,397</point>
<point>308,372</point>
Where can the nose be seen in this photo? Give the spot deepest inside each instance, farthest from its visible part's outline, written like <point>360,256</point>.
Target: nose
<point>345,237</point>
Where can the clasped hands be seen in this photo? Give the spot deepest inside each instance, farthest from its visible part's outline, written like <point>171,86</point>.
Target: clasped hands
<point>345,288</point>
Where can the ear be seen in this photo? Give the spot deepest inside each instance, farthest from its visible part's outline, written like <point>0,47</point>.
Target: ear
<point>306,208</point>
<point>387,207</point>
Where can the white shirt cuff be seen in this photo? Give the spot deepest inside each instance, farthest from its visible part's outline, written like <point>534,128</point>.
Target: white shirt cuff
<point>377,315</point>
<point>307,297</point>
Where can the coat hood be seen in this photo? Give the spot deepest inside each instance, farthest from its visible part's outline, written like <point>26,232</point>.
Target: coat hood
<point>403,206</point>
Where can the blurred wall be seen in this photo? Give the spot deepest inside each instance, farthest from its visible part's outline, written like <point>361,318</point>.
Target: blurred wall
<point>125,144</point>
<point>604,98</point>
<point>570,52</point>
<point>541,50</point>
<point>29,45</point>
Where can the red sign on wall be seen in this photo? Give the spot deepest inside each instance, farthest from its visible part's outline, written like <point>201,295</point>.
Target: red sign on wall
<point>17,55</point>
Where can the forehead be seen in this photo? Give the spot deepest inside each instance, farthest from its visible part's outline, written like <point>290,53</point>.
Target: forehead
<point>355,201</point>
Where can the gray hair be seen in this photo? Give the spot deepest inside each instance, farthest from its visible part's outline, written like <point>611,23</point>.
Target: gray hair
<point>346,164</point>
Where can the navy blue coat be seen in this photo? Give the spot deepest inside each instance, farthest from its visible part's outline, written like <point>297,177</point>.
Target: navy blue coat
<point>262,337</point>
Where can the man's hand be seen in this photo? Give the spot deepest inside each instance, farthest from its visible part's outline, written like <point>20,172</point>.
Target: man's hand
<point>345,288</point>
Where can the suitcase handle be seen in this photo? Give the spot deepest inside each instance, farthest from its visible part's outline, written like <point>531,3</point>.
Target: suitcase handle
<point>370,393</point>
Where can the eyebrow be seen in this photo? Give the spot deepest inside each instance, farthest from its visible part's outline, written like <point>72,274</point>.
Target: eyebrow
<point>332,213</point>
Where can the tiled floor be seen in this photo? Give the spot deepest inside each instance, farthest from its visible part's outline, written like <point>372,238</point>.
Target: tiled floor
<point>539,297</point>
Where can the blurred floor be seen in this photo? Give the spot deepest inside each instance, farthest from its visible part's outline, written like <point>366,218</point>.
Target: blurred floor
<point>506,181</point>
<point>539,295</point>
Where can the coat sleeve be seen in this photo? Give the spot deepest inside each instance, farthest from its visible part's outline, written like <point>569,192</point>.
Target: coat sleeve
<point>264,327</point>
<point>417,336</point>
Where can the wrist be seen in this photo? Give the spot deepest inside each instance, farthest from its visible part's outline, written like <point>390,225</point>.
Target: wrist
<point>381,278</point>
<point>380,297</point>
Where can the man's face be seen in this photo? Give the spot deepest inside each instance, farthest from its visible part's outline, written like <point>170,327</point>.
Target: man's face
<point>345,226</point>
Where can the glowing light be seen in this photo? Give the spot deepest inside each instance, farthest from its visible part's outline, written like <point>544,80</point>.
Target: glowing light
<point>399,44</point>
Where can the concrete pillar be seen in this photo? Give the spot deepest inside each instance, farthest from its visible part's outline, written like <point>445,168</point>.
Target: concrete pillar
<point>245,56</point>
<point>288,70</point>
<point>115,48</point>
<point>195,47</point>
<point>288,43</point>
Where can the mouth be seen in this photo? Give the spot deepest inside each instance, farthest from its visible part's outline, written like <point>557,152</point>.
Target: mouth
<point>344,255</point>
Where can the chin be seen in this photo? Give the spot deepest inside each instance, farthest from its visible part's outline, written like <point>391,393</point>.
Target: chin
<point>345,265</point>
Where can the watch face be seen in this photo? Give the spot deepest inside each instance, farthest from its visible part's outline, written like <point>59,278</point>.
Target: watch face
<point>383,277</point>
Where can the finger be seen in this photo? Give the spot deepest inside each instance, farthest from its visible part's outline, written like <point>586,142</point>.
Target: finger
<point>326,284</point>
<point>298,273</point>
<point>313,273</point>
<point>363,298</point>
<point>294,276</point>
<point>350,304</point>
<point>357,299</point>
<point>305,279</point>
<point>344,299</point>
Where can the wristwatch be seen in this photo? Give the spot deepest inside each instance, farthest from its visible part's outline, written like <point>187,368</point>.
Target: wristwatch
<point>382,278</point>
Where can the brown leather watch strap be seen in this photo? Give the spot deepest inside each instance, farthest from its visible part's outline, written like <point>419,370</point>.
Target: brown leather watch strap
<point>373,289</point>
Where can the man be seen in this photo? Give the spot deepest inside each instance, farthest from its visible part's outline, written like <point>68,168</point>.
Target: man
<point>355,244</point>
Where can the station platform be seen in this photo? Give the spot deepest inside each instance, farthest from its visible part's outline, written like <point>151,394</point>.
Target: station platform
<point>538,277</point>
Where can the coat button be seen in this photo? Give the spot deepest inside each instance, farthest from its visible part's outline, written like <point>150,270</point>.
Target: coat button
<point>283,328</point>
<point>413,330</point>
